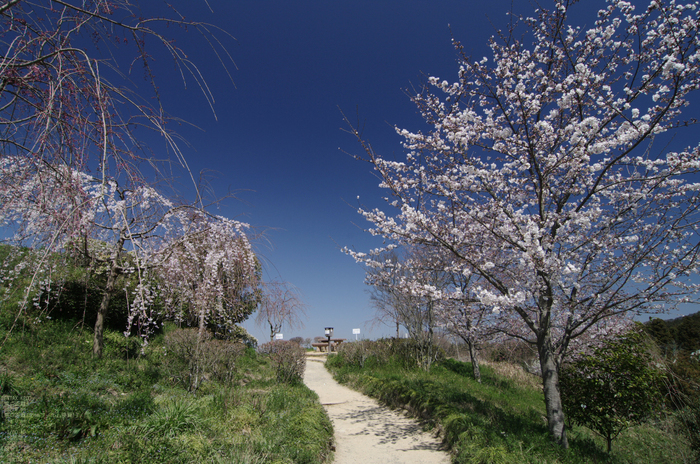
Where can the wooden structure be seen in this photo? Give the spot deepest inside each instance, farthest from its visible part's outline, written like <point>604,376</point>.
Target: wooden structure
<point>322,346</point>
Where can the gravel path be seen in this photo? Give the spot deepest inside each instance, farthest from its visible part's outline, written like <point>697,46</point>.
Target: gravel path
<point>365,431</point>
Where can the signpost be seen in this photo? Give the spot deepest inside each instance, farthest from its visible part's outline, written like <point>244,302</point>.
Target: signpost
<point>356,332</point>
<point>279,336</point>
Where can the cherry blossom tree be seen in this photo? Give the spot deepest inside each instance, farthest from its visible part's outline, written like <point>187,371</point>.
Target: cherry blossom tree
<point>410,288</point>
<point>68,102</point>
<point>66,96</point>
<point>106,224</point>
<point>550,172</point>
<point>422,290</point>
<point>72,121</point>
<point>461,314</point>
<point>281,305</point>
<point>207,271</point>
<point>390,299</point>
<point>201,265</point>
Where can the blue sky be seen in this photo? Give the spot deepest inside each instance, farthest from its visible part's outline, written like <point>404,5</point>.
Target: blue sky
<point>278,142</point>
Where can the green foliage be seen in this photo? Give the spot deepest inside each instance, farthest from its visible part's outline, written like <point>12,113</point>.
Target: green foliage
<point>81,416</point>
<point>173,417</point>
<point>69,407</point>
<point>689,421</point>
<point>659,330</point>
<point>75,290</point>
<point>616,387</point>
<point>8,384</point>
<point>680,334</point>
<point>240,335</point>
<point>501,419</point>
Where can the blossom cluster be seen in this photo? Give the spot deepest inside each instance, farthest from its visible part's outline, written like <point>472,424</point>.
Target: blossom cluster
<point>539,178</point>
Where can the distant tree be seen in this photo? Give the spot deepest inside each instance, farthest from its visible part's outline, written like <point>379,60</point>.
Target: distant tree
<point>659,331</point>
<point>467,320</point>
<point>392,304</point>
<point>539,174</point>
<point>281,305</point>
<point>688,333</point>
<point>616,387</point>
<point>410,288</point>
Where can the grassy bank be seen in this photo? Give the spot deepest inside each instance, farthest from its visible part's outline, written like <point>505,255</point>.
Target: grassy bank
<point>60,405</point>
<point>502,419</point>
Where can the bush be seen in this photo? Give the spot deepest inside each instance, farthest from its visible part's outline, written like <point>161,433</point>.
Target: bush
<point>288,360</point>
<point>189,359</point>
<point>357,353</point>
<point>222,358</point>
<point>510,351</point>
<point>408,353</point>
<point>614,388</point>
<point>413,353</point>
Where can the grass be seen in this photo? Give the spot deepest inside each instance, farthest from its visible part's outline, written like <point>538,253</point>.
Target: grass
<point>502,419</point>
<point>62,406</point>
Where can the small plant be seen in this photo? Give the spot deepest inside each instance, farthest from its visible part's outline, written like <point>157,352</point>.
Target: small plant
<point>616,387</point>
<point>81,416</point>
<point>288,360</point>
<point>172,418</point>
<point>7,384</point>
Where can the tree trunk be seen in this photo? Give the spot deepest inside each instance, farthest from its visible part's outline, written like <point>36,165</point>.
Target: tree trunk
<point>202,324</point>
<point>114,270</point>
<point>475,361</point>
<point>552,394</point>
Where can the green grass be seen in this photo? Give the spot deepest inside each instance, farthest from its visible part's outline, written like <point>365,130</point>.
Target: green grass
<point>63,406</point>
<point>502,419</point>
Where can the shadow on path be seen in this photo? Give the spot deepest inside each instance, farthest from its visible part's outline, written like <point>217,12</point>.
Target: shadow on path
<point>367,432</point>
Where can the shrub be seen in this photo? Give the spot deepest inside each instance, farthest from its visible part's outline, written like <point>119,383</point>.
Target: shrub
<point>510,351</point>
<point>411,353</point>
<point>222,358</point>
<point>126,347</point>
<point>288,360</point>
<point>614,388</point>
<point>408,353</point>
<point>190,359</point>
<point>357,353</point>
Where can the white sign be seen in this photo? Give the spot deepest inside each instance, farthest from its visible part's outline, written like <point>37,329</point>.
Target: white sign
<point>355,331</point>
<point>279,336</point>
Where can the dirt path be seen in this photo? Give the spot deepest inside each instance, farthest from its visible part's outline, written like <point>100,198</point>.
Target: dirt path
<point>365,431</point>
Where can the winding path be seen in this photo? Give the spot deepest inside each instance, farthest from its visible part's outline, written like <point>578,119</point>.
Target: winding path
<point>365,431</point>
